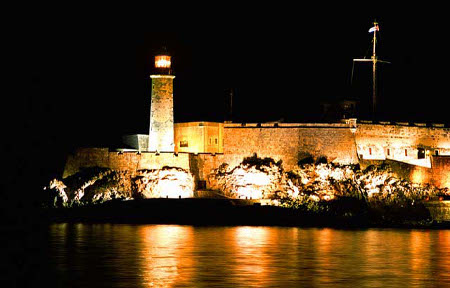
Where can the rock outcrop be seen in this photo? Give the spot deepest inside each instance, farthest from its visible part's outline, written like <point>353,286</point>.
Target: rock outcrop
<point>254,178</point>
<point>96,185</point>
<point>259,178</point>
<point>169,182</point>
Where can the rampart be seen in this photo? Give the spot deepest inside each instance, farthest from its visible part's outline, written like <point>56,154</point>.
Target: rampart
<point>290,142</point>
<point>438,174</point>
<point>131,161</point>
<point>401,142</point>
<point>441,171</point>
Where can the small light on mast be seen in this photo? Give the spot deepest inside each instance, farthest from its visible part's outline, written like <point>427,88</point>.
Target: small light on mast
<point>162,61</point>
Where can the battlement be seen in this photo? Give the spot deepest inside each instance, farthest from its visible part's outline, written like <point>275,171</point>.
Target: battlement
<point>412,124</point>
<point>286,125</point>
<point>131,161</point>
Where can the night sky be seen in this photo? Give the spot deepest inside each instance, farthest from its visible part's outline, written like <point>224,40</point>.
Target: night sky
<point>84,73</point>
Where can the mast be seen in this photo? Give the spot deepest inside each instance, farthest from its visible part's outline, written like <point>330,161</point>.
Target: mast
<point>374,72</point>
<point>374,61</point>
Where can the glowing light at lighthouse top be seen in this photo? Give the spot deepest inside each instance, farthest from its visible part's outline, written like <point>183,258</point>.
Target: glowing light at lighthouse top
<point>162,61</point>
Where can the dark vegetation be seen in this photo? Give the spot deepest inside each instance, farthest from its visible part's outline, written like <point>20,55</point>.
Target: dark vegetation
<point>258,162</point>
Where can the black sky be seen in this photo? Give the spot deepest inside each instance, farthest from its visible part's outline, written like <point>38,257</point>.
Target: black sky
<point>95,78</point>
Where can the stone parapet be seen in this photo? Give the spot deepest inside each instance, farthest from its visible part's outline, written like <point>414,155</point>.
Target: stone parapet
<point>131,161</point>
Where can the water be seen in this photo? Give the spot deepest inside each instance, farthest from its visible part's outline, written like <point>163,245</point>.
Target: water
<point>117,255</point>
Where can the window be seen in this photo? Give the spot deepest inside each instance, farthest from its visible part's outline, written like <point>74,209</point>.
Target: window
<point>370,151</point>
<point>436,152</point>
<point>210,140</point>
<point>184,143</point>
<point>216,141</point>
<point>406,152</point>
<point>388,152</point>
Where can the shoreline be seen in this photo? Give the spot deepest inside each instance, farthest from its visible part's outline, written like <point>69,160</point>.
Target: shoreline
<point>222,212</point>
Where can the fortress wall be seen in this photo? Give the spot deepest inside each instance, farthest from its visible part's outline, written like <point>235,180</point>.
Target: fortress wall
<point>85,157</point>
<point>403,142</point>
<point>201,165</point>
<point>441,171</point>
<point>413,173</point>
<point>374,140</point>
<point>438,175</point>
<point>132,161</point>
<point>293,142</point>
<point>290,142</point>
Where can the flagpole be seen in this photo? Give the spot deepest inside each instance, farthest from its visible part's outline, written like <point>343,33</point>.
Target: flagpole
<point>375,24</point>
<point>374,72</point>
<point>374,61</point>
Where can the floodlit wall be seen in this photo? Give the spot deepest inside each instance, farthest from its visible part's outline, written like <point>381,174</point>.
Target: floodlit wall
<point>131,161</point>
<point>161,134</point>
<point>136,141</point>
<point>438,174</point>
<point>441,171</point>
<point>290,142</point>
<point>410,144</point>
<point>201,165</point>
<point>199,137</point>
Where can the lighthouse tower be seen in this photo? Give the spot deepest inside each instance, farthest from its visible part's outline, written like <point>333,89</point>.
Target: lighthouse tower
<point>161,136</point>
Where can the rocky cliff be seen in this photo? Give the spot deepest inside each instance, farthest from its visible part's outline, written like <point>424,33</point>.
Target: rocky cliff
<point>96,185</point>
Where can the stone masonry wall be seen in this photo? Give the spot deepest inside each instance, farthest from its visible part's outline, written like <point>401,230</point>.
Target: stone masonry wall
<point>403,142</point>
<point>290,142</point>
<point>201,165</point>
<point>441,171</point>
<point>161,137</point>
<point>131,161</point>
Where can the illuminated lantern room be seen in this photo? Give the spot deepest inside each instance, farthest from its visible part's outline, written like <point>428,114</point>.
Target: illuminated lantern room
<point>163,64</point>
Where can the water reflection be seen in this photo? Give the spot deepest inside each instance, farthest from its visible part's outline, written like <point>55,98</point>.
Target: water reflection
<point>166,255</point>
<point>441,253</point>
<point>250,247</point>
<point>107,255</point>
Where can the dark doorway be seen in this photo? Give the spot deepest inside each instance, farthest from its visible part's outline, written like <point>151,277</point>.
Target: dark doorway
<point>201,184</point>
<point>421,153</point>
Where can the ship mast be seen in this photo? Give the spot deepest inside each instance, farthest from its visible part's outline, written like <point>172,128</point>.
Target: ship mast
<point>374,61</point>
<point>374,71</point>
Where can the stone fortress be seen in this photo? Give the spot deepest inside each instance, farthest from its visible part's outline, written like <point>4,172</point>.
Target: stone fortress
<point>418,152</point>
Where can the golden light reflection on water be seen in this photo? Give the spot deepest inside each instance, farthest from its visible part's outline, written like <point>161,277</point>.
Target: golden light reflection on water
<point>420,251</point>
<point>165,257</point>
<point>250,243</point>
<point>442,249</point>
<point>325,247</point>
<point>187,256</point>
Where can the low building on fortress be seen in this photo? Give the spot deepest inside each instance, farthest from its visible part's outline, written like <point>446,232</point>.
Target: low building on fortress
<point>416,152</point>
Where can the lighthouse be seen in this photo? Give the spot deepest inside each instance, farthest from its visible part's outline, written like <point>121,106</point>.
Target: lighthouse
<point>161,136</point>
